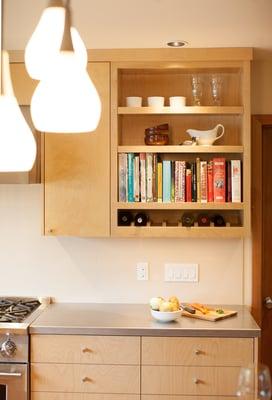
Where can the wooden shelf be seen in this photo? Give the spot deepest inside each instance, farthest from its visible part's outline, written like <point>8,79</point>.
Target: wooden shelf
<point>181,149</point>
<point>178,206</point>
<point>129,124</point>
<point>178,231</point>
<point>232,110</point>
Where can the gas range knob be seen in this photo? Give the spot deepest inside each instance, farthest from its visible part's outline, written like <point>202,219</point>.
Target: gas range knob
<point>8,348</point>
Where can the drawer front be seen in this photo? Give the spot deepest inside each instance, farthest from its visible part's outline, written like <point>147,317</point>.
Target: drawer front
<point>83,396</point>
<point>158,397</point>
<point>85,349</point>
<point>83,378</point>
<point>190,380</point>
<point>197,351</point>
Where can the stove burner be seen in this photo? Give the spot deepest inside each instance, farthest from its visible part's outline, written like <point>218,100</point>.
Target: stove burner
<point>15,309</point>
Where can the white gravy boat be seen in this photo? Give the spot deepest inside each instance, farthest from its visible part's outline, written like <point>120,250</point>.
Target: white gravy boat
<point>206,138</point>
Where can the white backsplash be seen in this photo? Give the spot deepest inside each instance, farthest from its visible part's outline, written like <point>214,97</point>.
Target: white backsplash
<point>104,270</point>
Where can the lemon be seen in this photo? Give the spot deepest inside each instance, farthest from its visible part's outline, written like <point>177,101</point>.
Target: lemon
<point>167,306</point>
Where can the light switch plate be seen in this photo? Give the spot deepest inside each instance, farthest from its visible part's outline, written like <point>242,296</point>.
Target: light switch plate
<point>174,272</point>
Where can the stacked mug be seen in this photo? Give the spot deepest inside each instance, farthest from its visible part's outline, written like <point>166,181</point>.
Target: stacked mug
<point>175,102</point>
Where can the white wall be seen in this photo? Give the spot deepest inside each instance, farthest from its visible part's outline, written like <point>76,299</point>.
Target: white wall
<point>72,269</point>
<point>103,270</point>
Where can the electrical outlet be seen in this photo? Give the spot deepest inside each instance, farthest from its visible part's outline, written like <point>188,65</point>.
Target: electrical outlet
<point>142,271</point>
<point>180,272</point>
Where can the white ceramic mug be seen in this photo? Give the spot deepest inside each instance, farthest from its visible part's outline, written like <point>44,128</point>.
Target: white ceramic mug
<point>133,101</point>
<point>177,101</point>
<point>155,101</point>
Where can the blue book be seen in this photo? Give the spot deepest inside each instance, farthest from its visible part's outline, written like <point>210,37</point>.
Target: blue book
<point>130,177</point>
<point>166,181</point>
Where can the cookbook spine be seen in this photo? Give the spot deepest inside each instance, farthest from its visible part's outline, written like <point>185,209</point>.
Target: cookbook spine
<point>210,181</point>
<point>203,182</point>
<point>236,187</point>
<point>130,177</point>
<point>219,181</point>
<point>166,181</point>
<point>122,177</point>
<point>136,178</point>
<point>143,177</point>
<point>149,176</point>
<point>188,185</point>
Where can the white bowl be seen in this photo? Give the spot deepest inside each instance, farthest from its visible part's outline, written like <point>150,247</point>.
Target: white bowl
<point>165,316</point>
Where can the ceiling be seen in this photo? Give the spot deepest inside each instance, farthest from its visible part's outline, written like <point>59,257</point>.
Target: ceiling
<point>151,23</point>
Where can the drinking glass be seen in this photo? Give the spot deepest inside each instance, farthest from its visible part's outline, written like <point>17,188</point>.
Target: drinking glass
<point>197,84</point>
<point>216,89</point>
<point>248,380</point>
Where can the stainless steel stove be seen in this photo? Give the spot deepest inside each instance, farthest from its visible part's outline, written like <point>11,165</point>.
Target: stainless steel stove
<point>16,314</point>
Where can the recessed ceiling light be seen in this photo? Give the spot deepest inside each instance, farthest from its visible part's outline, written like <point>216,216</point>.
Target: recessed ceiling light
<point>177,43</point>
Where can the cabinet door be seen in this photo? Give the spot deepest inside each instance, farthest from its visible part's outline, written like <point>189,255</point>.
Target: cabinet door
<point>76,173</point>
<point>23,85</point>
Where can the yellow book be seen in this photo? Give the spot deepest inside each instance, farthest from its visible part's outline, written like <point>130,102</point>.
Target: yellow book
<point>159,181</point>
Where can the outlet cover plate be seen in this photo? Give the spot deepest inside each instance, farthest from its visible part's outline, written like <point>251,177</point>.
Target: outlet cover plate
<point>142,271</point>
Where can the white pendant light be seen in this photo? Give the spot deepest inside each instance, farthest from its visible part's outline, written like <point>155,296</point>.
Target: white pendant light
<point>45,41</point>
<point>17,144</point>
<point>66,100</point>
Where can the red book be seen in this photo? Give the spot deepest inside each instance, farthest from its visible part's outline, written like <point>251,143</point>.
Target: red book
<point>188,185</point>
<point>219,180</point>
<point>210,181</point>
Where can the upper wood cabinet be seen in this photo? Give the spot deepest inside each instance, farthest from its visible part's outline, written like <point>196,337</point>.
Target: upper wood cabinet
<point>81,172</point>
<point>77,173</point>
<point>23,85</point>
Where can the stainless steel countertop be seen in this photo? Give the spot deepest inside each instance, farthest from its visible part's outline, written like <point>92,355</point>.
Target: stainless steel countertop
<point>135,319</point>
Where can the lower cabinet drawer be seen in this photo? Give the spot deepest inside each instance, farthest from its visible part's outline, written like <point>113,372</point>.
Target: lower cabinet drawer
<point>83,378</point>
<point>83,396</point>
<point>80,349</point>
<point>175,380</point>
<point>225,352</point>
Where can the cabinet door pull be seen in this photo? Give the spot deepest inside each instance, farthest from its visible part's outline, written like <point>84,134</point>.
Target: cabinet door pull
<point>197,352</point>
<point>86,379</point>
<point>86,350</point>
<point>196,381</point>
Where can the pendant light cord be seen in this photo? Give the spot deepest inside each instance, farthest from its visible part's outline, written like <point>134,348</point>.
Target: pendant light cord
<point>67,44</point>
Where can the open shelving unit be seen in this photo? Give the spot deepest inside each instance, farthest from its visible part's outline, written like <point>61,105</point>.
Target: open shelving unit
<point>167,79</point>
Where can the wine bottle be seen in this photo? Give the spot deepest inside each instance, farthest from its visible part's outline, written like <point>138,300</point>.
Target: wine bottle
<point>141,219</point>
<point>124,218</point>
<point>187,219</point>
<point>203,220</point>
<point>218,220</point>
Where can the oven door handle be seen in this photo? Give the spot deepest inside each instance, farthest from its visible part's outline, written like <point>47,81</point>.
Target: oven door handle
<point>11,374</point>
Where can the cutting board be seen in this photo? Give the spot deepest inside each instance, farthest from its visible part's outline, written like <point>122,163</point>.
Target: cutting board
<point>212,315</point>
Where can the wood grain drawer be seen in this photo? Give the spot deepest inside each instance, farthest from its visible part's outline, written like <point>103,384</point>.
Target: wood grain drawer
<point>197,351</point>
<point>83,378</point>
<point>163,397</point>
<point>84,396</point>
<point>213,381</point>
<point>85,349</point>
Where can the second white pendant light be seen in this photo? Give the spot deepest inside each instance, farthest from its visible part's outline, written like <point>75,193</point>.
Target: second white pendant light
<point>66,100</point>
<point>46,39</point>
